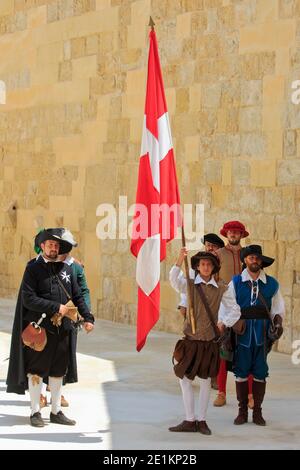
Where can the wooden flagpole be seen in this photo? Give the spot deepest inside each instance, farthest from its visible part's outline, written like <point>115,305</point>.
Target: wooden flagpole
<point>189,288</point>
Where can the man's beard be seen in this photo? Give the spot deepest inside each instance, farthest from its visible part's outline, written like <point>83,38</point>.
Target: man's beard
<point>52,255</point>
<point>234,242</point>
<point>254,268</point>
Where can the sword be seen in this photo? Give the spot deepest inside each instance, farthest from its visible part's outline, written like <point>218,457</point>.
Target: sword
<point>37,324</point>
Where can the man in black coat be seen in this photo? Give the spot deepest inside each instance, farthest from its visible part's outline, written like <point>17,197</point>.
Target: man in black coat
<point>46,287</point>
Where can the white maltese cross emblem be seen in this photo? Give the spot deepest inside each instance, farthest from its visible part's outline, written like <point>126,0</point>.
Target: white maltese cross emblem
<point>65,276</point>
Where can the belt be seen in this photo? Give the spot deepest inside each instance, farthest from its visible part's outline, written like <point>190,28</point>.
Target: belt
<point>257,312</point>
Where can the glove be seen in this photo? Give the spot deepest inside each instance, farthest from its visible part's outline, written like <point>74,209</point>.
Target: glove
<point>276,332</point>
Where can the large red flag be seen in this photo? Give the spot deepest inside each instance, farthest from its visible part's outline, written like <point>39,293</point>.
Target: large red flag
<point>157,211</point>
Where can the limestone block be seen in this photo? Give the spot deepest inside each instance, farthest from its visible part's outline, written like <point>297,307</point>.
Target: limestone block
<point>272,117</point>
<point>245,12</point>
<point>286,8</point>
<point>250,119</point>
<point>220,198</point>
<point>192,144</point>
<point>288,228</point>
<point>263,173</point>
<point>133,105</point>
<point>282,59</point>
<point>273,200</point>
<point>102,4</point>
<point>226,172</point>
<point>290,143</point>
<point>78,47</point>
<point>65,71</point>
<point>84,67</point>
<point>251,92</point>
<point>273,89</point>
<point>37,17</point>
<point>274,144</point>
<point>289,172</point>
<point>252,144</point>
<point>267,10</point>
<point>240,172</point>
<point>212,171</point>
<point>182,100</point>
<point>49,54</point>
<point>6,7</point>
<point>183,25</point>
<point>262,228</point>
<point>211,95</point>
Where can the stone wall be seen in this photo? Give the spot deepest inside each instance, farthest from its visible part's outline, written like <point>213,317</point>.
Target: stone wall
<point>70,130</point>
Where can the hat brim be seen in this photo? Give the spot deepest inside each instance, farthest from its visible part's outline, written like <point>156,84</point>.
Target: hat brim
<point>224,232</point>
<point>214,239</point>
<point>196,259</point>
<point>266,260</point>
<point>42,237</point>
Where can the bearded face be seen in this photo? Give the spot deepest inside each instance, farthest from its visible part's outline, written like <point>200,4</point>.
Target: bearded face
<point>234,237</point>
<point>50,249</point>
<point>253,263</point>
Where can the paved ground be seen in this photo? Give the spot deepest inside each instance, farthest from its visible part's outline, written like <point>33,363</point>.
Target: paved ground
<point>127,400</point>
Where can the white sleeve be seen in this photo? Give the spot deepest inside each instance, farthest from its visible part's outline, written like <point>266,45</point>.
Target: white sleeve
<point>277,306</point>
<point>229,311</point>
<point>183,300</point>
<point>177,280</point>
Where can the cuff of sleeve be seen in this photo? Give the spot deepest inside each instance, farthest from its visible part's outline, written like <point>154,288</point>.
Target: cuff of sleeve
<point>54,308</point>
<point>89,318</point>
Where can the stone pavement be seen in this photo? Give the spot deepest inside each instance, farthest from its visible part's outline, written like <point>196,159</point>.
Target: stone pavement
<point>127,400</point>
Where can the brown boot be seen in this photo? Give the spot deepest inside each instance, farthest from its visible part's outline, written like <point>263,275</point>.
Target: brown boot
<point>259,389</point>
<point>242,396</point>
<point>203,428</point>
<point>43,401</point>
<point>185,426</point>
<point>64,402</point>
<point>220,399</point>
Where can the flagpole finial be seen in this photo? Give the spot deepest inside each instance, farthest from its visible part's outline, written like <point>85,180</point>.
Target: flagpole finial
<point>151,23</point>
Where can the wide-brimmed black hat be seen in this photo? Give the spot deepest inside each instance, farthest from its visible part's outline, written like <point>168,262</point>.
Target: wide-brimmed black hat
<point>213,238</point>
<point>256,250</point>
<point>54,234</point>
<point>205,255</point>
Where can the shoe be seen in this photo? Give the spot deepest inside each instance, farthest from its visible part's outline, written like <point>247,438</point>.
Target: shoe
<point>220,400</point>
<point>250,402</point>
<point>185,426</point>
<point>60,418</point>
<point>43,401</point>
<point>36,420</point>
<point>63,402</point>
<point>203,428</point>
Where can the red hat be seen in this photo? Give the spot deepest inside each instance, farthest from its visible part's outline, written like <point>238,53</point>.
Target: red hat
<point>234,225</point>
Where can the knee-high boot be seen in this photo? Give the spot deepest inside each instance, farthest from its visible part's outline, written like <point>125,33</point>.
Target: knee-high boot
<point>242,397</point>
<point>259,389</point>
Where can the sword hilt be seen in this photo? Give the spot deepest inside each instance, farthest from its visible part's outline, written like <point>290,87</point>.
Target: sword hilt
<point>41,319</point>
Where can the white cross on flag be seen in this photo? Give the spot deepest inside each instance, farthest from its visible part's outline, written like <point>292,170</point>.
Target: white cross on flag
<point>157,210</point>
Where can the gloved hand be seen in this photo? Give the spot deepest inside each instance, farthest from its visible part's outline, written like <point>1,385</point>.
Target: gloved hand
<point>276,332</point>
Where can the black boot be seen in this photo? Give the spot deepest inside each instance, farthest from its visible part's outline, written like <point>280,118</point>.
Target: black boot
<point>242,397</point>
<point>259,389</point>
